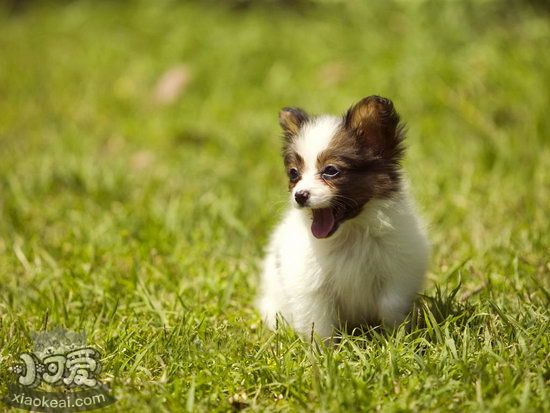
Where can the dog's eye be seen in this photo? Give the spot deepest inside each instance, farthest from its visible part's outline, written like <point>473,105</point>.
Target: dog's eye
<point>293,174</point>
<point>330,172</point>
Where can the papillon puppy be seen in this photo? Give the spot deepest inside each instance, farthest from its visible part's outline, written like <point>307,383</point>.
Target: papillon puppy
<point>351,251</point>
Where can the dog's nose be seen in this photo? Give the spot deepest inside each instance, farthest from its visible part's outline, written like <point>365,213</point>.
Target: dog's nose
<point>301,197</point>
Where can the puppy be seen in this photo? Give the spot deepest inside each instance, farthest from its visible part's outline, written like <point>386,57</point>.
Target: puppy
<point>351,251</point>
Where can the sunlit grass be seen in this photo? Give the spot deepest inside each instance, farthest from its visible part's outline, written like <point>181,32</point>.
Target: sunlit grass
<point>143,223</point>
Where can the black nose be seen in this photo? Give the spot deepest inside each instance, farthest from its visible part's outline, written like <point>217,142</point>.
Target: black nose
<point>301,197</point>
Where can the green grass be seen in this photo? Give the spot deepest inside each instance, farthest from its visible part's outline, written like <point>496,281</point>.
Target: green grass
<point>143,224</point>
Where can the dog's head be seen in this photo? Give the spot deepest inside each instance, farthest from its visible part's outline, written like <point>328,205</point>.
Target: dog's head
<point>336,165</point>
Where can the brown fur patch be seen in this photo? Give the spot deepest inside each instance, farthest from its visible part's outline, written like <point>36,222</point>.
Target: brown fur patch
<point>367,150</point>
<point>291,120</point>
<point>293,160</point>
<point>376,123</point>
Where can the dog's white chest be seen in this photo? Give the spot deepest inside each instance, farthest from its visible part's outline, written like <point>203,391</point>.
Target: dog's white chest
<point>368,272</point>
<point>354,273</point>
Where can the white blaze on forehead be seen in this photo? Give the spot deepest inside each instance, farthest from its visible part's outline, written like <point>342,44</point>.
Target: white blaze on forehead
<point>314,138</point>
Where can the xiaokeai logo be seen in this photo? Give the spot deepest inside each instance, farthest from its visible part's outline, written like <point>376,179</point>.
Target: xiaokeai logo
<point>61,374</point>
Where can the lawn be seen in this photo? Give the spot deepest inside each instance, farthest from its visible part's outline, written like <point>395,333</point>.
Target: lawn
<point>140,218</point>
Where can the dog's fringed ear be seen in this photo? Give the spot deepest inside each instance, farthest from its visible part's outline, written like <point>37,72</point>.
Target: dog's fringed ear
<point>376,123</point>
<point>291,120</point>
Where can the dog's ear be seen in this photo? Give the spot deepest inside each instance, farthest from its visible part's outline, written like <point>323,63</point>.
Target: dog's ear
<point>376,124</point>
<point>291,120</point>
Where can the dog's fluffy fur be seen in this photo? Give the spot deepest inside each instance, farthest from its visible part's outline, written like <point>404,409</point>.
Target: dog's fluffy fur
<point>351,251</point>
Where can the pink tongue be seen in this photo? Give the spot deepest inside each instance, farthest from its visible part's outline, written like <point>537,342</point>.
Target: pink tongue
<point>322,224</point>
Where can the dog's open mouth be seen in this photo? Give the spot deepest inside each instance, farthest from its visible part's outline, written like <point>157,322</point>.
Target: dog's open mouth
<point>324,223</point>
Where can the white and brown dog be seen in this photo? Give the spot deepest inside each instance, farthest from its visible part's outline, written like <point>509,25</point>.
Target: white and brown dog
<point>351,251</point>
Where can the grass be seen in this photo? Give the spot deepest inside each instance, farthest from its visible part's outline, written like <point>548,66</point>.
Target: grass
<point>143,224</point>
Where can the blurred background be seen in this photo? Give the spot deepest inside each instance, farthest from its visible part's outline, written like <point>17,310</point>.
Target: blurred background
<point>152,126</point>
<point>140,160</point>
